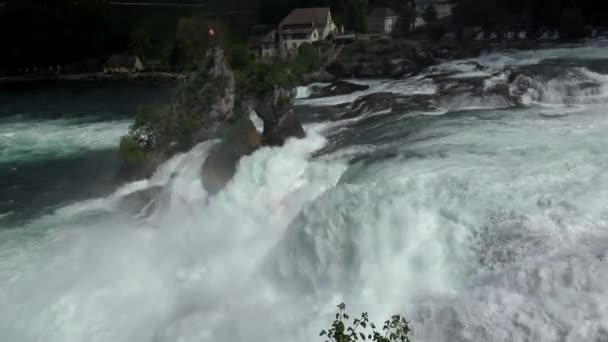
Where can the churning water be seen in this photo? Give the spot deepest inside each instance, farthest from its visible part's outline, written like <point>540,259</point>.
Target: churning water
<point>478,221</point>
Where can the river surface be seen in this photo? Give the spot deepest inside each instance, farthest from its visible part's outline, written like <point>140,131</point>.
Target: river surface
<point>478,216</point>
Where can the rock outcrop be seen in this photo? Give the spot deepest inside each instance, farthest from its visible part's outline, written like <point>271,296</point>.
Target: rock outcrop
<point>380,59</point>
<point>240,139</point>
<point>205,101</point>
<point>280,121</point>
<point>207,106</point>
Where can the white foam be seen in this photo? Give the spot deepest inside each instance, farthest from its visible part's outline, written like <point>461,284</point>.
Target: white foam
<point>411,86</point>
<point>51,138</point>
<point>479,229</point>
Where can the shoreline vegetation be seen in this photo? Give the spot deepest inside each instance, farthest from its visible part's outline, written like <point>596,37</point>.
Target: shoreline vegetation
<point>153,77</point>
<point>170,38</point>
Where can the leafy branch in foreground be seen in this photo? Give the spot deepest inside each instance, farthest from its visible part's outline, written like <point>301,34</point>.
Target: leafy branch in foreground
<point>361,329</point>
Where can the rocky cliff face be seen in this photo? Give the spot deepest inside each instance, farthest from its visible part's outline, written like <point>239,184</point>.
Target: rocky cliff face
<point>206,100</point>
<point>207,107</point>
<point>380,58</point>
<point>280,122</point>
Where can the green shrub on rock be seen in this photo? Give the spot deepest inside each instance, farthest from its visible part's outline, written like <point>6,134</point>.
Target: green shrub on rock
<point>261,77</point>
<point>130,151</point>
<point>307,60</point>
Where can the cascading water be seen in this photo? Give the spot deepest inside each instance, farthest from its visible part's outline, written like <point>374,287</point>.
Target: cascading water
<point>483,224</point>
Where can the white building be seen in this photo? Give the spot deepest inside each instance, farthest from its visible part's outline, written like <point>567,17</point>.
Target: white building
<point>123,64</point>
<point>305,25</point>
<point>382,20</point>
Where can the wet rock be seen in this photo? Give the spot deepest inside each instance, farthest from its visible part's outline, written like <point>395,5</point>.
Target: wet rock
<point>288,126</point>
<point>338,88</point>
<point>372,103</point>
<point>204,101</point>
<point>381,58</point>
<point>240,139</point>
<point>280,121</point>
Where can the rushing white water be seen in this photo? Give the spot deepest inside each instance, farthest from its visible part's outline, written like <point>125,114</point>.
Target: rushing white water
<point>485,225</point>
<point>26,140</point>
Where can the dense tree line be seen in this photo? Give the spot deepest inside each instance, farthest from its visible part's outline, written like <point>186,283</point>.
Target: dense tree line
<point>39,33</point>
<point>81,34</point>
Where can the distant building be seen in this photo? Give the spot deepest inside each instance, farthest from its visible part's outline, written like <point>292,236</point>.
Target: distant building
<point>443,7</point>
<point>123,64</point>
<point>382,20</point>
<point>305,25</point>
<point>264,45</point>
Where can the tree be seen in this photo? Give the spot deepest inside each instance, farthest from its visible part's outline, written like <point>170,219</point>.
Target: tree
<point>407,12</point>
<point>307,60</point>
<point>356,15</point>
<point>430,14</point>
<point>141,43</point>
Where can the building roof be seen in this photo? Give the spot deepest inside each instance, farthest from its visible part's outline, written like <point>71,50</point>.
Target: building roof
<point>316,17</point>
<point>120,61</point>
<point>383,12</point>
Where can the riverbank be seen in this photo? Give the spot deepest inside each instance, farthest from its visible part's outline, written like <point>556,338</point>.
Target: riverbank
<point>154,77</point>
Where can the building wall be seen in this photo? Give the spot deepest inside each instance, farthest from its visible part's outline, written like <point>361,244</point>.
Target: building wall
<point>291,44</point>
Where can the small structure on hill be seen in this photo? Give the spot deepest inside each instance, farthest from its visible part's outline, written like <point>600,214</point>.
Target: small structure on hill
<point>382,20</point>
<point>305,25</point>
<point>443,8</point>
<point>264,45</point>
<point>123,64</point>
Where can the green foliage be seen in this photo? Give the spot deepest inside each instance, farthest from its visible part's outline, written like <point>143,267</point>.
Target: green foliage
<point>151,122</point>
<point>571,23</point>
<point>152,116</point>
<point>130,151</point>
<point>356,15</point>
<point>396,329</point>
<point>260,78</point>
<point>238,57</point>
<point>430,14</point>
<point>307,60</point>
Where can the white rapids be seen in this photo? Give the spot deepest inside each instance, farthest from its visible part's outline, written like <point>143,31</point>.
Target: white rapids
<point>35,139</point>
<point>488,225</point>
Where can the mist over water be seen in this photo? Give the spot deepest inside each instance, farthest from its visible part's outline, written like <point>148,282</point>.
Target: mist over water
<point>478,220</point>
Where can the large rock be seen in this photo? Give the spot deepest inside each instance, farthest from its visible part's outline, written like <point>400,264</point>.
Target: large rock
<point>381,58</point>
<point>204,101</point>
<point>240,138</point>
<point>288,126</point>
<point>280,121</point>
